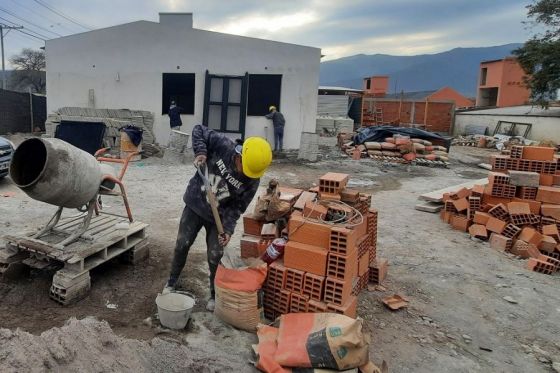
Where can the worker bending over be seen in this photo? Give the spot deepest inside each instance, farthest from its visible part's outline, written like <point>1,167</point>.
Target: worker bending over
<point>234,171</point>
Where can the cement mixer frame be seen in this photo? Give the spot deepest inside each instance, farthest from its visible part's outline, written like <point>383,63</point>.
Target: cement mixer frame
<point>82,242</point>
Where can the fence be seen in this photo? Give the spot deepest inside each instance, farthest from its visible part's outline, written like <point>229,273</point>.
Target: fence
<point>16,112</point>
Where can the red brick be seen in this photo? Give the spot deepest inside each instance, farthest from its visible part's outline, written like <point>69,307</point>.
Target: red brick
<point>461,204</point>
<point>276,275</point>
<point>294,280</point>
<point>534,206</point>
<point>548,244</point>
<point>282,304</point>
<point>269,231</point>
<point>518,208</point>
<point>460,222</point>
<point>348,309</point>
<point>363,263</point>
<point>556,180</point>
<point>446,216</point>
<point>516,151</point>
<point>342,240</point>
<point>530,235</point>
<point>511,230</point>
<point>499,211</point>
<point>350,195</point>
<point>540,266</point>
<point>550,230</point>
<point>251,225</point>
<point>495,225</point>
<point>481,217</point>
<point>249,246</point>
<point>546,180</point>
<point>477,190</point>
<point>498,178</point>
<point>524,249</point>
<point>298,303</point>
<point>316,306</point>
<point>333,182</point>
<point>378,271</point>
<point>551,210</point>
<point>337,291</point>
<point>309,232</point>
<point>313,286</point>
<point>492,200</point>
<point>343,267</point>
<point>478,230</point>
<point>461,193</point>
<point>499,242</point>
<point>307,258</point>
<point>314,210</point>
<point>538,153</point>
<point>549,195</point>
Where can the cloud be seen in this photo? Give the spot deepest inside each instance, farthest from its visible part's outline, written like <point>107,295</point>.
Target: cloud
<point>257,23</point>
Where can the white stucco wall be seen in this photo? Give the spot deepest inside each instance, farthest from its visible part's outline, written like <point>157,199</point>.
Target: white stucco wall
<point>140,52</point>
<point>543,128</point>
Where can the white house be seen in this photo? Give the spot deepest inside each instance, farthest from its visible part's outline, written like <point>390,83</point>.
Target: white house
<point>224,81</point>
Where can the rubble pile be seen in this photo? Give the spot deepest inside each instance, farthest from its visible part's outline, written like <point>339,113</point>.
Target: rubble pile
<point>330,253</point>
<point>518,211</point>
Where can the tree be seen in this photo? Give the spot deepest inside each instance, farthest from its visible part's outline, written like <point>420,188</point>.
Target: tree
<point>540,56</point>
<point>29,71</point>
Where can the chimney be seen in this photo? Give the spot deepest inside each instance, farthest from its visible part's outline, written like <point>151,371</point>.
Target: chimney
<point>176,20</point>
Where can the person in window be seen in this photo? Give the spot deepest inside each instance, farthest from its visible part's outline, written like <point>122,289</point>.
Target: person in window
<point>175,115</point>
<point>234,172</point>
<point>278,123</point>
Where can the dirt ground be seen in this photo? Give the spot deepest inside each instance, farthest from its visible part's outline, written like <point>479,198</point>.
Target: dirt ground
<point>457,319</point>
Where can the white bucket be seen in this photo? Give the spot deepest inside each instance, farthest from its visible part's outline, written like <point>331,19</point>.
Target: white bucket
<point>174,309</point>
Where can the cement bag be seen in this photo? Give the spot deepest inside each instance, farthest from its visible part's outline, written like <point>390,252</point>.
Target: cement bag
<point>266,349</point>
<point>440,153</point>
<point>388,153</point>
<point>370,145</point>
<point>321,340</point>
<point>390,139</point>
<point>388,146</point>
<point>419,148</point>
<point>261,207</point>
<point>375,152</point>
<point>277,208</point>
<point>238,295</point>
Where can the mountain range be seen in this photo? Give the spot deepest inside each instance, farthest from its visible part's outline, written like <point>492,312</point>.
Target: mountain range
<point>456,68</point>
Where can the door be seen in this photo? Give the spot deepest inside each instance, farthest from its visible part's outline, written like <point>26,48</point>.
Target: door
<point>225,103</point>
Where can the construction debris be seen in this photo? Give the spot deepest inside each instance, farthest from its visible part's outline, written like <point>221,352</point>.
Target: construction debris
<point>518,210</point>
<point>330,255</point>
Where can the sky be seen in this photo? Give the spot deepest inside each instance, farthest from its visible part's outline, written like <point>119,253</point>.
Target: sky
<point>340,28</point>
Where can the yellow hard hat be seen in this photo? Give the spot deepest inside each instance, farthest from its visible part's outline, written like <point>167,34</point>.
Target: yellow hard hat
<point>256,156</point>
<point>272,107</point>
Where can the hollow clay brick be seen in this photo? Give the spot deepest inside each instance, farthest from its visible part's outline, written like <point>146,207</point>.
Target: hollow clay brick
<point>477,190</point>
<point>499,242</point>
<point>307,258</point>
<point>495,225</point>
<point>303,198</point>
<point>251,225</point>
<point>378,271</point>
<point>363,264</point>
<point>349,195</point>
<point>478,230</point>
<point>344,267</point>
<point>294,280</point>
<point>314,210</point>
<point>550,230</point>
<point>481,217</point>
<point>313,286</point>
<point>548,244</point>
<point>546,180</point>
<point>538,153</point>
<point>337,291</point>
<point>547,194</point>
<point>551,210</point>
<point>534,206</point>
<point>307,231</point>
<point>460,222</point>
<point>249,246</point>
<point>269,231</point>
<point>461,204</point>
<point>316,306</point>
<point>530,235</point>
<point>342,240</point>
<point>348,309</point>
<point>298,303</point>
<point>518,208</point>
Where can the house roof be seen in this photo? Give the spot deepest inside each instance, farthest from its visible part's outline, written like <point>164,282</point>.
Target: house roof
<point>418,95</point>
<point>522,111</point>
<point>339,89</point>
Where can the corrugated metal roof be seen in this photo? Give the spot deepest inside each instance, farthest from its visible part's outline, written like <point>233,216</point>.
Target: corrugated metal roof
<point>342,89</point>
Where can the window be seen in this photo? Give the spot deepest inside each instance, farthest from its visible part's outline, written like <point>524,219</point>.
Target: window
<point>368,84</point>
<point>483,73</point>
<point>224,98</point>
<point>264,91</point>
<point>178,87</point>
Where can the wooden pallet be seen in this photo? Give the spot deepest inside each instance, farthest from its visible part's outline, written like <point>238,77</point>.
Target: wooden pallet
<point>102,242</point>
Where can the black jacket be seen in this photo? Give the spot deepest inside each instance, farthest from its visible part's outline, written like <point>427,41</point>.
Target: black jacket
<point>277,119</point>
<point>234,191</point>
<point>175,116</point>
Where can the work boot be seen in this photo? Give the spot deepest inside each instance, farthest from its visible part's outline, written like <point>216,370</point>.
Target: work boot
<point>211,305</point>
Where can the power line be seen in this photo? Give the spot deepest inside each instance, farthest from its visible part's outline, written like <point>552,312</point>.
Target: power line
<point>43,16</point>
<point>18,30</point>
<point>31,23</point>
<point>40,2</point>
<point>2,27</point>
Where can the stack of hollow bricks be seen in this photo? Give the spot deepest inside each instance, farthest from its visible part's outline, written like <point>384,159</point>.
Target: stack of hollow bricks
<point>325,266</point>
<point>518,211</point>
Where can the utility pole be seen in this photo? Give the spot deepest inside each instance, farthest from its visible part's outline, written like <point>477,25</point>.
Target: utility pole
<point>2,28</point>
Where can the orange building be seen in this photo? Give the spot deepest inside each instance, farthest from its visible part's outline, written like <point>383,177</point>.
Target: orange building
<point>376,85</point>
<point>501,84</point>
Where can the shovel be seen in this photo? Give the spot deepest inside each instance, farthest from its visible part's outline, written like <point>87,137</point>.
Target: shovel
<point>211,199</point>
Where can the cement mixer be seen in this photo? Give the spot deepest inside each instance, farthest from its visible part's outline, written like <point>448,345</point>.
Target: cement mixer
<point>56,172</point>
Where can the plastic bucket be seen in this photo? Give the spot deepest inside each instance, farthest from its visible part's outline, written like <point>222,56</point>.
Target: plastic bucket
<point>174,309</point>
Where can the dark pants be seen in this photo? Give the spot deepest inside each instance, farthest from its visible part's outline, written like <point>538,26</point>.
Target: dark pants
<point>189,227</point>
<point>278,138</point>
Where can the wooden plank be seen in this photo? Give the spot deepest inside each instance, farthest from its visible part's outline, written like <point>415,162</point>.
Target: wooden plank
<point>437,195</point>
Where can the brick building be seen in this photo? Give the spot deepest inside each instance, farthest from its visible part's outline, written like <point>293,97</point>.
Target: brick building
<point>501,84</point>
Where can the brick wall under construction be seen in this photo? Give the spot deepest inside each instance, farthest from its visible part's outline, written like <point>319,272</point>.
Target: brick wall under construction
<point>435,116</point>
